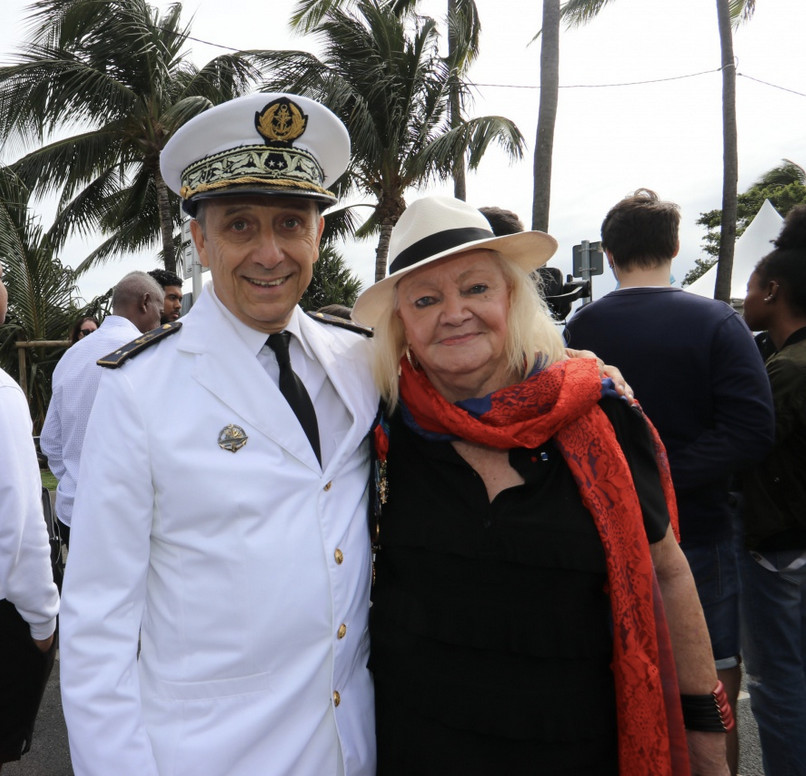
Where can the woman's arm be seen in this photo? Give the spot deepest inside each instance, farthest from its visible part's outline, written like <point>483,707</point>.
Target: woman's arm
<point>692,648</point>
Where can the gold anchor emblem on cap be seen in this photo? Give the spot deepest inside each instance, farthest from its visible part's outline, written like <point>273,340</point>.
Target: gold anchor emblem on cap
<point>281,121</point>
<point>232,438</point>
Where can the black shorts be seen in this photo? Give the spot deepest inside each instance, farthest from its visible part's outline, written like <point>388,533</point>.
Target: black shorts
<point>24,672</point>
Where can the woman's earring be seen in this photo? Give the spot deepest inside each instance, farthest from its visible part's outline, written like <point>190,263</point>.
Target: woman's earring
<point>412,359</point>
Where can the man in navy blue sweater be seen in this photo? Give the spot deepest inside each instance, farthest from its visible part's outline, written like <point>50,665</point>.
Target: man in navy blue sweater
<point>698,375</point>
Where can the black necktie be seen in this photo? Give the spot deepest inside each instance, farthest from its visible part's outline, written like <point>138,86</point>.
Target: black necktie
<point>294,391</point>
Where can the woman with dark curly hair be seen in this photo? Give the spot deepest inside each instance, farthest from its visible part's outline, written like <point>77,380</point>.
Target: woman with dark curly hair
<point>774,565</point>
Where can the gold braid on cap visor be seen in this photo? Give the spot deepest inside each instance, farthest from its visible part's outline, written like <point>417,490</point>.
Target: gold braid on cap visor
<point>290,168</point>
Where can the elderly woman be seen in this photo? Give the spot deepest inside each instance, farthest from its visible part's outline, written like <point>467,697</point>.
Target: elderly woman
<point>515,625</point>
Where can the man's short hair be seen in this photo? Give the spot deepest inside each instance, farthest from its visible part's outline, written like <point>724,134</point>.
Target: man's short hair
<point>641,231</point>
<point>130,290</point>
<point>502,221</point>
<point>166,278</point>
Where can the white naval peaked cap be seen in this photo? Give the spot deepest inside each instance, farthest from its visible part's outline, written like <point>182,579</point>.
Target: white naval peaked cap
<point>267,143</point>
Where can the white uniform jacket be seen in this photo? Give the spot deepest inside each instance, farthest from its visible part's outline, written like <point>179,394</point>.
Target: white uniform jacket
<point>26,578</point>
<point>246,573</point>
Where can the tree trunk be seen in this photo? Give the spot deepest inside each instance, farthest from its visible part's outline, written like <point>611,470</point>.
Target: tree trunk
<point>730,156</point>
<point>455,108</point>
<point>459,175</point>
<point>166,222</point>
<point>382,251</point>
<point>387,212</point>
<point>547,114</point>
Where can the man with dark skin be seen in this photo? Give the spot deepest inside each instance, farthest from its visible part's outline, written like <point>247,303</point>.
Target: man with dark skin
<point>172,286</point>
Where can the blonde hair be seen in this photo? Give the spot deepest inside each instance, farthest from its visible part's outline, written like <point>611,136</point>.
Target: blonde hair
<point>531,334</point>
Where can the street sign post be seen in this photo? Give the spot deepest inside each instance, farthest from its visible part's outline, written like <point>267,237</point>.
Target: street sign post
<point>588,260</point>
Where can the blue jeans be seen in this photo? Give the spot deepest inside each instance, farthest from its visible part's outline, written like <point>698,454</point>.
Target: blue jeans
<point>714,566</point>
<point>773,608</point>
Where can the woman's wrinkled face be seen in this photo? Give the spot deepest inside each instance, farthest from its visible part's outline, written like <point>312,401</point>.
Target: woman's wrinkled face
<point>454,313</point>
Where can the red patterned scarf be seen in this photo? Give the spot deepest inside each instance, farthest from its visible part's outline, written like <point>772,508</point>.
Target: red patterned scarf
<point>561,402</point>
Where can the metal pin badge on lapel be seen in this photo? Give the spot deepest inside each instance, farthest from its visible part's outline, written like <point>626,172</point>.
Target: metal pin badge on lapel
<point>232,438</point>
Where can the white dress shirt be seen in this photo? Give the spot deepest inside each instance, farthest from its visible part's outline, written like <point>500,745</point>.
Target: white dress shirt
<point>331,413</point>
<point>75,383</point>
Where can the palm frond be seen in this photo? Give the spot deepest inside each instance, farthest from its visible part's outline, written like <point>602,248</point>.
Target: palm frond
<point>579,12</point>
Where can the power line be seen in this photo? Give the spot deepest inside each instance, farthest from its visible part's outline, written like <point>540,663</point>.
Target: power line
<point>576,86</point>
<point>641,83</point>
<point>774,86</point>
<point>604,86</point>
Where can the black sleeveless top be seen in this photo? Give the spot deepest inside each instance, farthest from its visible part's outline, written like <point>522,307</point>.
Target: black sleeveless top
<point>490,624</point>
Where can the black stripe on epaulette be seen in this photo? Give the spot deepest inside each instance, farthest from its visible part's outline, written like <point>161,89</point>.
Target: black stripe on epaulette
<point>342,323</point>
<point>131,349</point>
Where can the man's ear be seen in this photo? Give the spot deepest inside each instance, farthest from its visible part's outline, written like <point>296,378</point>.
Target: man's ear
<point>676,249</point>
<point>197,235</point>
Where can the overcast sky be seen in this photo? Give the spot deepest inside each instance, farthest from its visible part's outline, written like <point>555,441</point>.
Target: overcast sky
<point>640,105</point>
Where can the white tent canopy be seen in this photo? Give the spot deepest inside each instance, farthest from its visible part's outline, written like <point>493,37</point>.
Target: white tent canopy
<point>754,244</point>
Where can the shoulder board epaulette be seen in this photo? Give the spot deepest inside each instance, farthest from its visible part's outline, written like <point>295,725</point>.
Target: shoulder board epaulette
<point>131,349</point>
<point>342,323</point>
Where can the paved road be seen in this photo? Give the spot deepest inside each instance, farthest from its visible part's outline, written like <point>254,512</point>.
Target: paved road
<point>49,755</point>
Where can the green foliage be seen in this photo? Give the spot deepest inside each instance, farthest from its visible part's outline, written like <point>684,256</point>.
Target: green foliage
<point>96,92</point>
<point>784,186</point>
<point>40,295</point>
<point>382,74</point>
<point>332,282</point>
<point>48,480</point>
<point>701,266</point>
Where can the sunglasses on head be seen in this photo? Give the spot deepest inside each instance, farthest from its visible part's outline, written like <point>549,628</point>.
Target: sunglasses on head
<point>85,332</point>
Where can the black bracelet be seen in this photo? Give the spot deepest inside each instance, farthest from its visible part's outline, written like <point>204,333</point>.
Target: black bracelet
<point>708,713</point>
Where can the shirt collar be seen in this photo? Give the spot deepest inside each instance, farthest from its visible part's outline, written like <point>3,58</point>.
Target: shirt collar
<point>254,339</point>
<point>795,336</point>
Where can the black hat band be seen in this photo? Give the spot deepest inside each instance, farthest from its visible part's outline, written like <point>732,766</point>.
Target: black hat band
<point>437,243</point>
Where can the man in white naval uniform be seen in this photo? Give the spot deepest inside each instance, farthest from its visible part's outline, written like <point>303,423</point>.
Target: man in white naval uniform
<point>205,524</point>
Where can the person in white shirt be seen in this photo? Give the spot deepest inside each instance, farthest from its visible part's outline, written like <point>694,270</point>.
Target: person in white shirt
<point>29,600</point>
<point>210,526</point>
<point>136,308</point>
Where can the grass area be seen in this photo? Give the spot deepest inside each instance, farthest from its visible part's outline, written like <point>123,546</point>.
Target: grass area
<point>48,480</point>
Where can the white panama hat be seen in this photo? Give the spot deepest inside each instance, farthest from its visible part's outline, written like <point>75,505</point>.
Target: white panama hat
<point>433,228</point>
<point>267,143</point>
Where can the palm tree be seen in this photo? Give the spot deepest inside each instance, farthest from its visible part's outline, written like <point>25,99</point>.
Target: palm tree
<point>547,114</point>
<point>381,73</point>
<point>730,13</point>
<point>730,155</point>
<point>464,31</point>
<point>104,84</point>
<point>40,295</point>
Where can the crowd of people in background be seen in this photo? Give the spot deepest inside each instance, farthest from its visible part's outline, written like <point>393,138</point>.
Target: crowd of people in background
<point>420,535</point>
